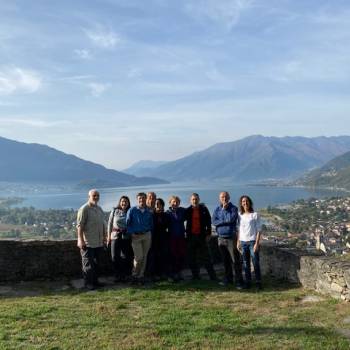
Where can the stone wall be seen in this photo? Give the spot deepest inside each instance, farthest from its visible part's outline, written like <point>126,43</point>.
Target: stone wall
<point>32,260</point>
<point>313,270</point>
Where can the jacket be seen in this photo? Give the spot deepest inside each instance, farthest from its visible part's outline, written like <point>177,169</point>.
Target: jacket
<point>138,221</point>
<point>204,218</point>
<point>225,220</point>
<point>177,220</point>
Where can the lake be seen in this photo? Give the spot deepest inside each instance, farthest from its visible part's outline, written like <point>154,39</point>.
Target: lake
<point>262,195</point>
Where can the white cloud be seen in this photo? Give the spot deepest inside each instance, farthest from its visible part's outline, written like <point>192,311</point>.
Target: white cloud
<point>97,89</point>
<point>33,122</point>
<point>106,39</point>
<point>83,54</point>
<point>76,78</point>
<point>15,79</point>
<point>223,12</point>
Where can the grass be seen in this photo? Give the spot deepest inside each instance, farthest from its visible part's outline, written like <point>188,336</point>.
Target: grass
<point>184,316</point>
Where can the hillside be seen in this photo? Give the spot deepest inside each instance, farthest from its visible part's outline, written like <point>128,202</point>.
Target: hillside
<point>143,166</point>
<point>335,173</point>
<point>30,162</point>
<point>254,158</point>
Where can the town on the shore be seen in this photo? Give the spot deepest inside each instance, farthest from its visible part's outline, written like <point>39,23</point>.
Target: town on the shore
<point>322,224</point>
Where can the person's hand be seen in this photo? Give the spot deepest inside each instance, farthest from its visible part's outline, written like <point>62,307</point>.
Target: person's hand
<point>108,241</point>
<point>256,247</point>
<point>239,245</point>
<point>81,244</point>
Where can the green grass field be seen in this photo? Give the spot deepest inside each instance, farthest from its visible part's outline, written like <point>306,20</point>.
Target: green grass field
<point>190,315</point>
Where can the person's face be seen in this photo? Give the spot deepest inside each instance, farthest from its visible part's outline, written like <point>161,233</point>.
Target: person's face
<point>151,200</point>
<point>124,203</point>
<point>94,197</point>
<point>174,203</point>
<point>141,201</point>
<point>245,204</point>
<point>159,207</point>
<point>194,201</point>
<point>224,198</point>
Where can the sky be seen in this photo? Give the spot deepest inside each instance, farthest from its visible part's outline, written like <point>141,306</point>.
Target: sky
<point>117,81</point>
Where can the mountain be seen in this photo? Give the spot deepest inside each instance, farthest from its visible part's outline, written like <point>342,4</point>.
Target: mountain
<point>335,173</point>
<point>254,158</point>
<point>31,162</point>
<point>143,166</point>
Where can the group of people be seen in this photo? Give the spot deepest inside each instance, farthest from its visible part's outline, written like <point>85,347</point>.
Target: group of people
<point>149,242</point>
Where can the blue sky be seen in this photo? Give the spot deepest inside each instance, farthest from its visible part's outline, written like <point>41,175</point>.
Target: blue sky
<point>116,81</point>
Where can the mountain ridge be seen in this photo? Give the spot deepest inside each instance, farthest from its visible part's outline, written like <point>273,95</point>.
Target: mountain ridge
<point>335,173</point>
<point>33,162</point>
<point>254,158</point>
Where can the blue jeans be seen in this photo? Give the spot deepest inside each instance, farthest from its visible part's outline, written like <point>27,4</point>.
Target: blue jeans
<point>248,252</point>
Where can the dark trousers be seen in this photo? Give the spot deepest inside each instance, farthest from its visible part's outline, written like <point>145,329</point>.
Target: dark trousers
<point>199,255</point>
<point>122,257</point>
<point>231,256</point>
<point>158,261</point>
<point>90,261</point>
<point>248,252</point>
<point>177,254</point>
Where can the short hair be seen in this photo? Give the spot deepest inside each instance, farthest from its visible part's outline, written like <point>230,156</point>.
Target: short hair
<point>151,193</point>
<point>141,194</point>
<point>160,200</point>
<point>174,197</point>
<point>120,200</point>
<point>251,209</point>
<point>93,190</point>
<point>194,194</point>
<point>225,192</point>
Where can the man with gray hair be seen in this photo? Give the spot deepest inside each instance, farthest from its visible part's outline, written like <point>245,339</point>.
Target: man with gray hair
<point>224,219</point>
<point>91,229</point>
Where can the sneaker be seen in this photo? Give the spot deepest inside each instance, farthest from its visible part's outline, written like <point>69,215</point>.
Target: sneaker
<point>180,276</point>
<point>89,286</point>
<point>225,283</point>
<point>127,279</point>
<point>117,279</point>
<point>196,277</point>
<point>142,281</point>
<point>134,281</point>
<point>98,284</point>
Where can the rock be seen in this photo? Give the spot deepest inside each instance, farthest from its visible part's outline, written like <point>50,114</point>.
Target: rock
<point>336,287</point>
<point>347,277</point>
<point>311,299</point>
<point>344,332</point>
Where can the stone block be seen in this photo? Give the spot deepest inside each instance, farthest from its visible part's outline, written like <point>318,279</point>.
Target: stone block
<point>335,287</point>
